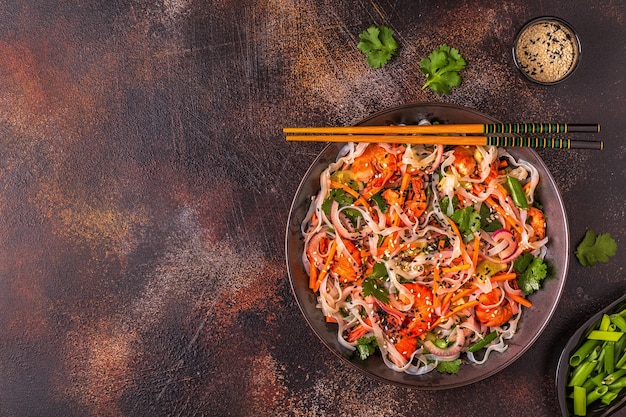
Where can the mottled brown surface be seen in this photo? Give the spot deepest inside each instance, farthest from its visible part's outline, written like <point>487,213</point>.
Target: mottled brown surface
<point>145,186</point>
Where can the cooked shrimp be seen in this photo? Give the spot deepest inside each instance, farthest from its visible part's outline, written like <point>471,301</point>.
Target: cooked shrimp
<point>375,167</point>
<point>464,161</point>
<point>537,221</point>
<point>417,202</point>
<point>494,310</point>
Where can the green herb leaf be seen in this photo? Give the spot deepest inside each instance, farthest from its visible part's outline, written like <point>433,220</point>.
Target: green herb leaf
<point>595,248</point>
<point>442,69</point>
<point>380,202</point>
<point>449,367</point>
<point>488,222</point>
<point>338,195</point>
<point>444,203</point>
<point>522,262</point>
<point>378,44</point>
<point>531,279</point>
<point>379,270</point>
<point>468,221</point>
<point>373,284</point>
<point>344,199</point>
<point>366,346</point>
<point>376,288</point>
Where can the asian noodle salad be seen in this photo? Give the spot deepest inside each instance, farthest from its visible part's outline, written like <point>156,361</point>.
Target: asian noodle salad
<point>425,253</point>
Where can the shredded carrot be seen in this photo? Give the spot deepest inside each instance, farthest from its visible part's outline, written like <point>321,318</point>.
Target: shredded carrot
<point>503,277</point>
<point>462,307</point>
<point>526,188</point>
<point>457,268</point>
<point>389,244</point>
<point>447,300</point>
<point>501,188</point>
<point>520,300</point>
<point>403,187</point>
<point>313,273</point>
<point>359,199</point>
<point>463,293</point>
<point>460,236</point>
<point>331,319</point>
<point>496,206</point>
<point>359,330</point>
<point>326,268</point>
<point>451,313</point>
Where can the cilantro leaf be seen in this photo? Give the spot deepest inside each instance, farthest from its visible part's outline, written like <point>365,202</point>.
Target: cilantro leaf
<point>595,248</point>
<point>366,346</point>
<point>338,195</point>
<point>444,203</point>
<point>379,270</point>
<point>344,199</point>
<point>380,202</point>
<point>449,367</point>
<point>375,287</point>
<point>531,279</point>
<point>373,284</point>
<point>468,221</point>
<point>488,222</point>
<point>378,44</point>
<point>442,68</point>
<point>522,262</point>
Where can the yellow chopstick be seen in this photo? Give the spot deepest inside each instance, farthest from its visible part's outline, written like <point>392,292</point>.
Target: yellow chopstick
<point>457,128</point>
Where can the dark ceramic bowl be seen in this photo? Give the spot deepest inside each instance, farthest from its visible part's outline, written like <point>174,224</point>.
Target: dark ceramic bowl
<point>531,324</point>
<point>597,409</point>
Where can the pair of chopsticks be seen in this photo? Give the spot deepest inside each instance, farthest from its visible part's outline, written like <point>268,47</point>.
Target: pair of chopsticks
<point>493,134</point>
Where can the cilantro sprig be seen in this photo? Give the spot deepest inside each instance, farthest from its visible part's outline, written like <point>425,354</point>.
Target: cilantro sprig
<point>532,271</point>
<point>595,248</point>
<point>366,346</point>
<point>449,367</point>
<point>378,44</point>
<point>468,221</point>
<point>442,69</point>
<point>344,199</point>
<point>373,283</point>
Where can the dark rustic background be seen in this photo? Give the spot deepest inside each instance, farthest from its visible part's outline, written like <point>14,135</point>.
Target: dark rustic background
<point>145,185</point>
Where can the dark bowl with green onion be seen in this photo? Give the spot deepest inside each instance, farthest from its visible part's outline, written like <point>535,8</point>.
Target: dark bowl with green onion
<point>591,373</point>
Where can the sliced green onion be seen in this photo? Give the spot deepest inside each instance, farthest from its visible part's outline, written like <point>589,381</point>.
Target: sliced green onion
<point>582,352</point>
<point>609,357</point>
<point>619,321</point>
<point>610,396</point>
<point>596,394</point>
<point>580,401</point>
<point>619,384</point>
<point>612,377</point>
<point>605,335</point>
<point>581,373</point>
